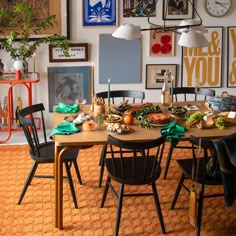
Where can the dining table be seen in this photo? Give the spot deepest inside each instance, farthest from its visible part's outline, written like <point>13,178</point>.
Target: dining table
<point>99,137</point>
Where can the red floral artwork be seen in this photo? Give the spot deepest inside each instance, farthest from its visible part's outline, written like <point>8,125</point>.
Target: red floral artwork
<point>162,44</point>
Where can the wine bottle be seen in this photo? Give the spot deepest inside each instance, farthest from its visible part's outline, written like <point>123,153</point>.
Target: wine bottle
<point>18,108</point>
<point>5,112</point>
<point>1,113</point>
<point>165,93</point>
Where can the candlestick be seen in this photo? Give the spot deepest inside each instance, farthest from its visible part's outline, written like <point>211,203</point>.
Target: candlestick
<point>34,63</point>
<point>108,92</point>
<point>172,87</point>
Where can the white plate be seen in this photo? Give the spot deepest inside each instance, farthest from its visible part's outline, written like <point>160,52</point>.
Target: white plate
<point>192,108</point>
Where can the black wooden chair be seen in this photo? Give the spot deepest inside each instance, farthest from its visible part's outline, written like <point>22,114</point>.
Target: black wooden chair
<point>143,167</point>
<point>43,152</point>
<point>182,93</point>
<point>136,97</point>
<point>198,169</point>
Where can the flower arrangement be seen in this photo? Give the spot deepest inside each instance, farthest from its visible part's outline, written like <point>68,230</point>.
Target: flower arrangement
<point>19,42</point>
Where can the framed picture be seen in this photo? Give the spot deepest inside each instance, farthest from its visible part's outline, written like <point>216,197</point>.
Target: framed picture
<point>137,8</point>
<point>177,9</point>
<point>100,13</point>
<point>42,9</point>
<point>203,66</point>
<point>65,84</point>
<point>78,52</point>
<point>231,54</point>
<point>162,44</point>
<point>155,75</point>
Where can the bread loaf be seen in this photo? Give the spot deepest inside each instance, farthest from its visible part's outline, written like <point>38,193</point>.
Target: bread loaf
<point>137,108</point>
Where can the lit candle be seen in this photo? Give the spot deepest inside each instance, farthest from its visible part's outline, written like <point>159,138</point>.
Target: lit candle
<point>34,63</point>
<point>108,92</point>
<point>93,81</point>
<point>172,87</point>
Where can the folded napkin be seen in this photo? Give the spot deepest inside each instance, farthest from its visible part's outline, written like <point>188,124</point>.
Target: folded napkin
<point>64,108</point>
<point>173,131</point>
<point>64,128</point>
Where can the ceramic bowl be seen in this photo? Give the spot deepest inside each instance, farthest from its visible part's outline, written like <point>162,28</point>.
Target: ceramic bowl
<point>178,111</point>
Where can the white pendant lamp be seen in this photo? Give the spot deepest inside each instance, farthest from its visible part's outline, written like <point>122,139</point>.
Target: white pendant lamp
<point>128,32</point>
<point>193,39</point>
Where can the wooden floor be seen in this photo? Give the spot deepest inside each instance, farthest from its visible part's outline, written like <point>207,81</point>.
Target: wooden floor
<point>35,216</point>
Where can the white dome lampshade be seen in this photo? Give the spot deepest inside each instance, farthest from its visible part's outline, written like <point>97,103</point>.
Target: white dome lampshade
<point>128,32</point>
<point>193,39</point>
<point>190,22</point>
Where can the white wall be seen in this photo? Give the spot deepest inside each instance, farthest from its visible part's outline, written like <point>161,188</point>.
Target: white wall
<point>90,35</point>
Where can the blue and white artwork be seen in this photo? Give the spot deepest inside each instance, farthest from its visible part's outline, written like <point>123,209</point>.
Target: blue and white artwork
<point>99,13</point>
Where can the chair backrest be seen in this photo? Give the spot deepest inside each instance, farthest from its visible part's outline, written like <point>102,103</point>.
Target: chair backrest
<point>136,162</point>
<point>209,166</point>
<point>183,92</point>
<point>27,117</point>
<point>137,96</point>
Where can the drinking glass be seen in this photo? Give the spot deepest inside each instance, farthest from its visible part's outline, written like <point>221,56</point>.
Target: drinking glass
<point>81,101</point>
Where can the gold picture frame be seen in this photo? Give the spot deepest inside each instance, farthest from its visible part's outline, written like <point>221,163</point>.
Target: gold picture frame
<point>43,9</point>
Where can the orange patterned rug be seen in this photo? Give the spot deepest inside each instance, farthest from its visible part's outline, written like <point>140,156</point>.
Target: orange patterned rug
<point>35,216</point>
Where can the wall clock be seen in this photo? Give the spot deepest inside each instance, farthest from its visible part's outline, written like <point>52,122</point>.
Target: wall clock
<point>218,8</point>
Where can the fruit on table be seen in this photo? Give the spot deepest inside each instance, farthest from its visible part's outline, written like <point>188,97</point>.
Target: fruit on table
<point>128,119</point>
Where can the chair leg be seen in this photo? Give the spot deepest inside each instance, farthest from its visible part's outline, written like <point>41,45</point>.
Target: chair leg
<point>180,184</point>
<point>28,181</point>
<point>105,191</point>
<point>71,184</point>
<point>77,171</point>
<point>168,160</point>
<point>102,164</point>
<point>119,209</point>
<point>200,210</point>
<point>158,207</point>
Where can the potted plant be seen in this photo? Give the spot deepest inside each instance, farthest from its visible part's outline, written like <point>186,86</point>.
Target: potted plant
<point>17,39</point>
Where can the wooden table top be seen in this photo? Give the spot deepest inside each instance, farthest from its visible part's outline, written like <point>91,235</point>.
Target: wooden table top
<point>136,133</point>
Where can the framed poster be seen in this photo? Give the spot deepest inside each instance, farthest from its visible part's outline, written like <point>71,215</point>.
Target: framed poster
<point>155,75</point>
<point>203,66</point>
<point>162,44</point>
<point>231,54</point>
<point>78,52</point>
<point>65,84</point>
<point>100,13</point>
<point>137,8</point>
<point>42,9</point>
<point>177,9</point>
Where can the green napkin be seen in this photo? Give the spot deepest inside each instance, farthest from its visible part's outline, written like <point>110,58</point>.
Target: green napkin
<point>173,131</point>
<point>63,108</point>
<point>64,128</point>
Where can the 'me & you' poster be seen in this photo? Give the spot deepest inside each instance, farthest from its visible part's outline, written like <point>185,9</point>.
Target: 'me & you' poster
<point>231,75</point>
<point>203,66</point>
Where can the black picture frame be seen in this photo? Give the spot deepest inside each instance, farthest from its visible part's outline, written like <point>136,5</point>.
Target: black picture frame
<point>155,75</point>
<point>203,67</point>
<point>173,10</point>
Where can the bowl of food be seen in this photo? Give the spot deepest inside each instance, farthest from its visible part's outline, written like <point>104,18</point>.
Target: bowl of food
<point>178,111</point>
<point>113,118</point>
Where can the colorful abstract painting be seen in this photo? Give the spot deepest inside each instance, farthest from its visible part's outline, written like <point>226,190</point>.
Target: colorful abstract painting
<point>99,13</point>
<point>139,8</point>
